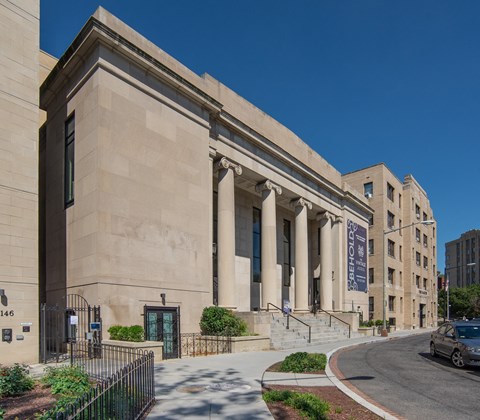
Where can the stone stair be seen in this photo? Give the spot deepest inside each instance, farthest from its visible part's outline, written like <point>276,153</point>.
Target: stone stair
<point>297,334</point>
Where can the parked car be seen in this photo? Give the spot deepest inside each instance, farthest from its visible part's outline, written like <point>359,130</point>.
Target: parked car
<point>459,341</point>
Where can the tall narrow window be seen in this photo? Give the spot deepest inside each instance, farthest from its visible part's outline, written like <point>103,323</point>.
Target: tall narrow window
<point>391,248</point>
<point>286,253</point>
<point>69,160</point>
<point>371,247</point>
<point>390,220</point>
<point>371,278</point>
<point>257,242</point>
<point>390,192</point>
<point>368,189</point>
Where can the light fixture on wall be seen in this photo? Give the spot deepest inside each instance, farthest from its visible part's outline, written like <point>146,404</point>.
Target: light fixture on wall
<point>164,297</point>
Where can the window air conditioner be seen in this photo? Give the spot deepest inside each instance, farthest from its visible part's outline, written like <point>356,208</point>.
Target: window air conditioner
<point>368,195</point>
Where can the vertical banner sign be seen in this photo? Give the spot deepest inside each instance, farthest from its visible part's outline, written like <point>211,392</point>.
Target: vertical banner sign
<point>357,257</point>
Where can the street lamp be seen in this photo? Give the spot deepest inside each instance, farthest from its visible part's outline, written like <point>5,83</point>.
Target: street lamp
<point>447,283</point>
<point>385,273</point>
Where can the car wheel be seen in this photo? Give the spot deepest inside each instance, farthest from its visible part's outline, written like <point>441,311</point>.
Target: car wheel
<point>457,359</point>
<point>433,351</point>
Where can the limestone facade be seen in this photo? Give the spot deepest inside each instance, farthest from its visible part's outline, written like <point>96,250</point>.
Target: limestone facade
<point>184,194</point>
<point>19,117</point>
<point>404,259</point>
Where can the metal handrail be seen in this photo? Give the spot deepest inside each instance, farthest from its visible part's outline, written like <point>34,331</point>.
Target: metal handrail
<point>294,317</point>
<point>338,319</point>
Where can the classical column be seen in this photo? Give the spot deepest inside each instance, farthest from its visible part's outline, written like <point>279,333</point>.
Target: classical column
<point>269,243</point>
<point>226,232</point>
<point>325,219</point>
<point>301,254</point>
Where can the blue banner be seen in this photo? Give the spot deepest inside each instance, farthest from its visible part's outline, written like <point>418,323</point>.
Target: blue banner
<point>356,257</point>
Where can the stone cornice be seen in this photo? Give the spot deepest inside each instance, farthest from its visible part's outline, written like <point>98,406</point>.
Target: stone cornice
<point>268,185</point>
<point>96,29</point>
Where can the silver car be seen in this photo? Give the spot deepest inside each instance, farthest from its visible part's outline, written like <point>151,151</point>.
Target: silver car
<point>459,341</point>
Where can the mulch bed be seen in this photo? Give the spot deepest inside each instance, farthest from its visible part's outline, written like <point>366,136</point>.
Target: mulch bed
<point>25,406</point>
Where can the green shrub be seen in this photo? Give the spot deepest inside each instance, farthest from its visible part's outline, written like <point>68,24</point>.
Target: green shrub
<point>67,380</point>
<point>304,362</point>
<point>221,321</point>
<point>308,404</point>
<point>2,413</point>
<point>133,333</point>
<point>14,380</point>
<point>69,383</point>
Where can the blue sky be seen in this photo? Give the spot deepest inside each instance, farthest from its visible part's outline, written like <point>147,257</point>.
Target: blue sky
<point>360,81</point>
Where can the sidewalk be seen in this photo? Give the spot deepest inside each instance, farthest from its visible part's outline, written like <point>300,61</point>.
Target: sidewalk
<point>229,385</point>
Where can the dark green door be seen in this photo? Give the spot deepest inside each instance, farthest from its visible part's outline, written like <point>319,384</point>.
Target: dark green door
<point>162,324</point>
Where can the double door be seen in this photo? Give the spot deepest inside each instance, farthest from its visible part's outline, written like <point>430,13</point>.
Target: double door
<point>163,324</point>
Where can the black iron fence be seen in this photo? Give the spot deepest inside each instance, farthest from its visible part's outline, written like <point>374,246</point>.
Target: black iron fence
<point>195,344</point>
<point>125,382</point>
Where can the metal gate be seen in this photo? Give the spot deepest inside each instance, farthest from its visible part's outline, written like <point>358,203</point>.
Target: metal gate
<point>72,324</point>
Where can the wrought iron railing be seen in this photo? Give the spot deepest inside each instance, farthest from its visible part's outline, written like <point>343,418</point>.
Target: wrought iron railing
<point>289,315</point>
<point>195,344</point>
<point>125,388</point>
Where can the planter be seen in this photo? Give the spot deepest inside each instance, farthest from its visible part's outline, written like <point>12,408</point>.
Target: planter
<point>155,346</point>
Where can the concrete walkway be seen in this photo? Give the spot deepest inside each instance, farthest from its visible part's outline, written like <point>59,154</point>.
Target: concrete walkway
<point>229,385</point>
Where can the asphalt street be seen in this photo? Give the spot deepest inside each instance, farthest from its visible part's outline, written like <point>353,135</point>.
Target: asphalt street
<point>401,375</point>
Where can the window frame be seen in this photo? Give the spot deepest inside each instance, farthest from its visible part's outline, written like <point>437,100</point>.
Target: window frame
<point>69,161</point>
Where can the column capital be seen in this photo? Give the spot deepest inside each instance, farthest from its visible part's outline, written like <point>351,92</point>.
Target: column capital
<point>338,219</point>
<point>224,163</point>
<point>301,202</point>
<point>325,215</point>
<point>268,185</point>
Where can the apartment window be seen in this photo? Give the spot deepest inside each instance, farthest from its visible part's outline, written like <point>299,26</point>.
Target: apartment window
<point>392,321</point>
<point>368,189</point>
<point>370,220</point>
<point>425,283</point>
<point>434,232</point>
<point>400,200</point>
<point>425,263</point>
<point>417,211</point>
<point>417,234</point>
<point>391,248</point>
<point>425,218</point>
<point>370,276</point>
<point>400,252</point>
<point>286,253</point>
<point>390,220</point>
<point>400,277</point>
<point>391,303</point>
<point>371,304</point>
<point>371,247</point>
<point>257,245</point>
<point>401,305</point>
<point>391,275</point>
<point>400,232</point>
<point>425,240</point>
<point>417,281</point>
<point>69,170</point>
<point>417,258</point>
<point>434,250</point>
<point>390,192</point>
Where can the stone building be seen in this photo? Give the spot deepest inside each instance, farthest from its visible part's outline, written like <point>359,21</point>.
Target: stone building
<point>167,192</point>
<point>19,116</point>
<point>462,258</point>
<point>402,248</point>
